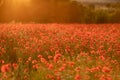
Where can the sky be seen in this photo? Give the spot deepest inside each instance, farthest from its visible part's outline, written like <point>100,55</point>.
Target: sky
<point>97,0</point>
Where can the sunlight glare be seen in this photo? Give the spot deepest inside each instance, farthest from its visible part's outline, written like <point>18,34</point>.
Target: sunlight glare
<point>21,2</point>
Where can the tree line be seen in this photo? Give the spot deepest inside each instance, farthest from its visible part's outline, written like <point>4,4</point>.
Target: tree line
<point>60,11</point>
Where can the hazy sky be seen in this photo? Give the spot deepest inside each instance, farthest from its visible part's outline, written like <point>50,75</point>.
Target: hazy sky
<point>97,0</point>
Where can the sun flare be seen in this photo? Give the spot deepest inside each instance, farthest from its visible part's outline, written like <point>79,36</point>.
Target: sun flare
<point>21,2</point>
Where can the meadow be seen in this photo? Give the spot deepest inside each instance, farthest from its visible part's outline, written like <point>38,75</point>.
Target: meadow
<point>59,51</point>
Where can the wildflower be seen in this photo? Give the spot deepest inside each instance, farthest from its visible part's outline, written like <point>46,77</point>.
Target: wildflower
<point>15,66</point>
<point>34,61</point>
<point>30,58</point>
<point>51,77</point>
<point>71,64</point>
<point>62,68</point>
<point>50,66</point>
<point>106,69</point>
<point>64,59</point>
<point>35,66</point>
<point>5,68</point>
<point>2,61</point>
<point>39,56</point>
<point>77,77</point>
<point>77,69</point>
<point>58,78</point>
<point>50,57</point>
<point>102,58</point>
<point>56,57</point>
<point>43,60</point>
<point>103,77</point>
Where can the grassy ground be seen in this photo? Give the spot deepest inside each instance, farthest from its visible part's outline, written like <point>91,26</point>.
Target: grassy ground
<point>59,52</point>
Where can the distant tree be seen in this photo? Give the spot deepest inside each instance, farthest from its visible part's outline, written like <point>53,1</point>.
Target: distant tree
<point>116,17</point>
<point>77,12</point>
<point>89,14</point>
<point>101,16</point>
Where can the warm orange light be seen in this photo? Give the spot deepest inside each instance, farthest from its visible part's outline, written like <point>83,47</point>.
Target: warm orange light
<point>21,2</point>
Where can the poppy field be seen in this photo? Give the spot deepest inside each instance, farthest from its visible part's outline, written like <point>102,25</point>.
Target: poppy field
<point>59,51</point>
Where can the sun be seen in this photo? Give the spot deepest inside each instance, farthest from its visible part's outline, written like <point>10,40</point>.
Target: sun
<point>21,2</point>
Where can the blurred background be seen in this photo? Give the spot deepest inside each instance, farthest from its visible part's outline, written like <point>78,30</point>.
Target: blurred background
<point>59,11</point>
